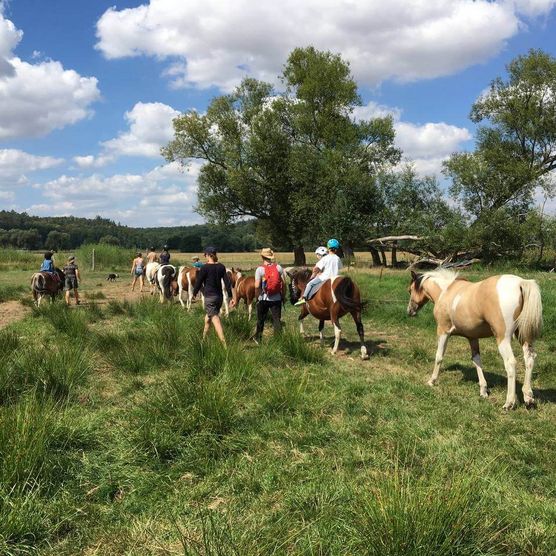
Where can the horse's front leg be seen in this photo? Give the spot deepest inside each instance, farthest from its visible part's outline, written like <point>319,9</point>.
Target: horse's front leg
<point>302,315</point>
<point>441,348</point>
<point>361,331</point>
<point>476,358</point>
<point>321,335</point>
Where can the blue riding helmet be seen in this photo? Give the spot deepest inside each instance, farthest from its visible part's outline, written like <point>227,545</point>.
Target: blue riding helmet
<point>333,244</point>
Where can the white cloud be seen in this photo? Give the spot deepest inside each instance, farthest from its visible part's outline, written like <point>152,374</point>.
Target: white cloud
<point>90,161</point>
<point>163,196</point>
<point>373,110</point>
<point>37,98</point>
<point>150,127</point>
<point>15,163</point>
<point>209,42</point>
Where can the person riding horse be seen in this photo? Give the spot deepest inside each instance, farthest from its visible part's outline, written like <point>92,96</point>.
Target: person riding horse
<point>327,267</point>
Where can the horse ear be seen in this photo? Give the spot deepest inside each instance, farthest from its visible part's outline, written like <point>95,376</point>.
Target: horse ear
<point>413,276</point>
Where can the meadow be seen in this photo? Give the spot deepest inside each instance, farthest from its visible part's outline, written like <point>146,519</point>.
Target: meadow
<point>121,432</point>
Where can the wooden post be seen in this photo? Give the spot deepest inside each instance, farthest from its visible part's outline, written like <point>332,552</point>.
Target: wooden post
<point>93,261</point>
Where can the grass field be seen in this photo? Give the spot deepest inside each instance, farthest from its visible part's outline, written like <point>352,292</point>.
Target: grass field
<point>122,433</point>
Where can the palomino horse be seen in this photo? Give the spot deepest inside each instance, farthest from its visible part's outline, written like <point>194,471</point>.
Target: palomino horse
<point>150,272</point>
<point>245,289</point>
<point>336,297</point>
<point>166,281</point>
<point>44,283</point>
<point>499,306</point>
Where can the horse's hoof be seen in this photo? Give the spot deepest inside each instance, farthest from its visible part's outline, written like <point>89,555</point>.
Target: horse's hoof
<point>484,393</point>
<point>365,356</point>
<point>431,383</point>
<point>530,402</point>
<point>508,406</point>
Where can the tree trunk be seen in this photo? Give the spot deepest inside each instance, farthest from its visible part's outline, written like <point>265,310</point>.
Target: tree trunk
<point>299,256</point>
<point>375,256</point>
<point>394,254</point>
<point>383,256</point>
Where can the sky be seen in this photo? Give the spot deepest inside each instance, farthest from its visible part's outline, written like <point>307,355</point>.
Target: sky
<point>88,89</point>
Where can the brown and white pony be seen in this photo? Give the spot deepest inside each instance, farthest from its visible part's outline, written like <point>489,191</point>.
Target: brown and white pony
<point>499,306</point>
<point>245,289</point>
<point>186,282</point>
<point>44,283</point>
<point>336,297</point>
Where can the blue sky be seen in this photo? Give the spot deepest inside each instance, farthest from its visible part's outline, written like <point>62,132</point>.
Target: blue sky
<point>88,89</point>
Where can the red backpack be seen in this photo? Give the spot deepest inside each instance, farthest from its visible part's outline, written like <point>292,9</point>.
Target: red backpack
<point>272,279</point>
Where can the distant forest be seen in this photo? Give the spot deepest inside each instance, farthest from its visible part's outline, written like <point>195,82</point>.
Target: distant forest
<point>20,230</point>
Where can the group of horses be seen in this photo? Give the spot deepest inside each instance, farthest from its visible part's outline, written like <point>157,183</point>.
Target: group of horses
<point>501,306</point>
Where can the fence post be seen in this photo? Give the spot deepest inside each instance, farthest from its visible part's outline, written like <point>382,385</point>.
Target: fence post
<point>93,261</point>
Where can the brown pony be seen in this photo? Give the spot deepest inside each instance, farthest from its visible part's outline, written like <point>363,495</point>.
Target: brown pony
<point>500,306</point>
<point>336,297</point>
<point>44,283</point>
<point>245,289</point>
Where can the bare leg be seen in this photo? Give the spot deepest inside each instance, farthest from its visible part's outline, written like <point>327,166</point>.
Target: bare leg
<point>529,356</point>
<point>76,295</point>
<point>207,326</point>
<point>441,348</point>
<point>133,283</point>
<point>476,358</point>
<point>141,282</point>
<point>216,322</point>
<point>505,349</point>
<point>321,335</point>
<point>67,297</point>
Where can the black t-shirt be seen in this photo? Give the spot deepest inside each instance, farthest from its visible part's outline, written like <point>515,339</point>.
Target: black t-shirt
<point>211,276</point>
<point>164,257</point>
<point>69,269</point>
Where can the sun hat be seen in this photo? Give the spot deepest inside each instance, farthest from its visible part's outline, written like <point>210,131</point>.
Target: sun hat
<point>321,251</point>
<point>333,244</point>
<point>210,250</point>
<point>72,258</point>
<point>267,253</point>
<point>195,258</point>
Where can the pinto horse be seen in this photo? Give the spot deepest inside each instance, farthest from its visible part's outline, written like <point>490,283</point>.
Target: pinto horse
<point>245,289</point>
<point>44,283</point>
<point>336,297</point>
<point>500,306</point>
<point>166,280</point>
<point>151,274</point>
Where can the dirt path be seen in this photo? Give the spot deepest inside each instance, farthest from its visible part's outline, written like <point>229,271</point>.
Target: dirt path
<point>11,311</point>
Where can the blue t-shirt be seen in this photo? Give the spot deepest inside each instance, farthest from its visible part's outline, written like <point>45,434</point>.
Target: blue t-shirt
<point>198,264</point>
<point>47,266</point>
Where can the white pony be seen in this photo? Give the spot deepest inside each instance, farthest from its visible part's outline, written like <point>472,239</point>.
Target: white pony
<point>150,272</point>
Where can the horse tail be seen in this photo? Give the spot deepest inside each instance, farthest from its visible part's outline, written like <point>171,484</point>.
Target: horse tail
<point>37,282</point>
<point>529,321</point>
<point>344,293</point>
<point>167,274</point>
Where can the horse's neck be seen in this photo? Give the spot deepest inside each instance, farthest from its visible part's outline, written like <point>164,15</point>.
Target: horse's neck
<point>432,289</point>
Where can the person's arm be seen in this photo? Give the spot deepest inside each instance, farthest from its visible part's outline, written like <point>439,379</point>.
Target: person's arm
<point>78,276</point>
<point>316,271</point>
<point>132,266</point>
<point>284,287</point>
<point>257,284</point>
<point>201,277</point>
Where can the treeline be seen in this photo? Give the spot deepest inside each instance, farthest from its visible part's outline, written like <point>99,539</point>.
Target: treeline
<point>23,231</point>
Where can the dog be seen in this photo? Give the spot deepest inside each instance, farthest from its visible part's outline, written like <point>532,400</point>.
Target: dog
<point>112,277</point>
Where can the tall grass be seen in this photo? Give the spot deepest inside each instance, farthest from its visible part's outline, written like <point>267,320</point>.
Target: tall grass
<point>19,259</point>
<point>11,292</point>
<point>107,257</point>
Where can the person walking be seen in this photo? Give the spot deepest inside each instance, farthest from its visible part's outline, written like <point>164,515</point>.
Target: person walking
<point>138,271</point>
<point>326,268</point>
<point>210,276</point>
<point>164,257</point>
<point>270,280</point>
<point>73,278</point>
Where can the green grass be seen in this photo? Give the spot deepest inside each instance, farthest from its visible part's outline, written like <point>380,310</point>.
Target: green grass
<point>122,432</point>
<point>11,292</point>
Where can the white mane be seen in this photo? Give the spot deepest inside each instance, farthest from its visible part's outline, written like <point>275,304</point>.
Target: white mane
<point>442,277</point>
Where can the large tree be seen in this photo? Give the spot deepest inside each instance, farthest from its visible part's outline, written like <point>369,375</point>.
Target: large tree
<point>290,158</point>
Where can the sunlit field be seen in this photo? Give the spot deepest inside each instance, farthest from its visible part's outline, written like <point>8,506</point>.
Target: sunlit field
<point>121,432</point>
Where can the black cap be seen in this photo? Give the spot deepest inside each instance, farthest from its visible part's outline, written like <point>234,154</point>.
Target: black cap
<point>210,251</point>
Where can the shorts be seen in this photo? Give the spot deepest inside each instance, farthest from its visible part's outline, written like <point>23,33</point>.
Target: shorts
<point>213,306</point>
<point>138,272</point>
<point>71,283</point>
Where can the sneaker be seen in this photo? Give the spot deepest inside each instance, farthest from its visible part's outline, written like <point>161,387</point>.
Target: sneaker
<point>300,302</point>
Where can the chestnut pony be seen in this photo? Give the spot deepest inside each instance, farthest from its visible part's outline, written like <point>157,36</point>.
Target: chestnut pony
<point>500,306</point>
<point>43,284</point>
<point>336,297</point>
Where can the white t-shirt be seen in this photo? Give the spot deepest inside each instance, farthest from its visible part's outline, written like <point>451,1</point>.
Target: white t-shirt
<point>329,266</point>
<point>259,275</point>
